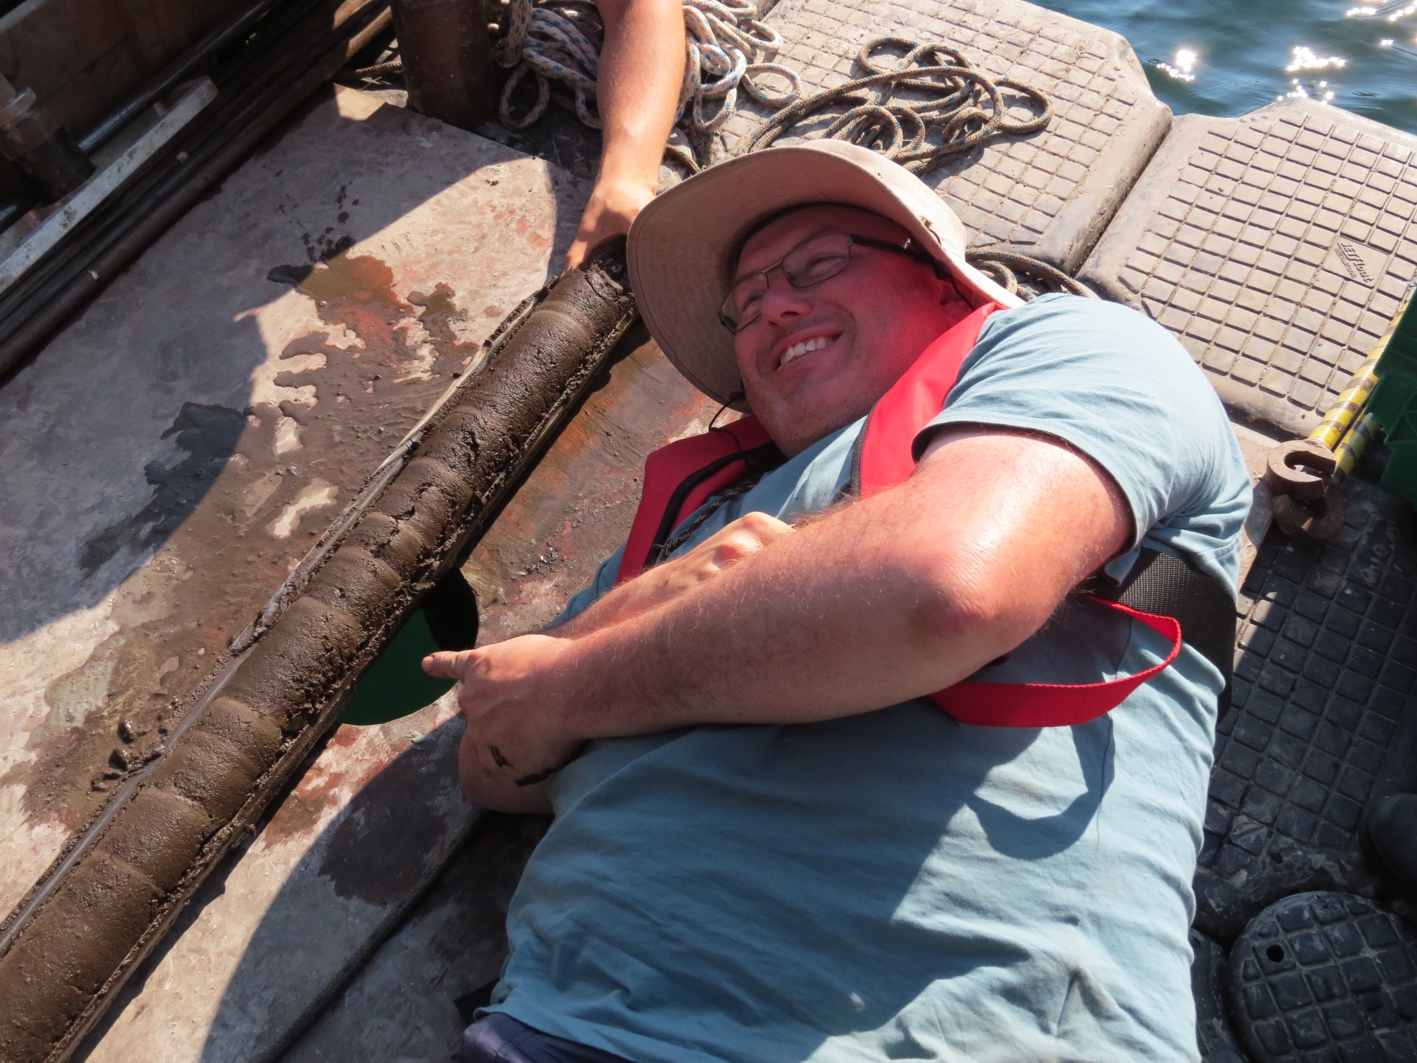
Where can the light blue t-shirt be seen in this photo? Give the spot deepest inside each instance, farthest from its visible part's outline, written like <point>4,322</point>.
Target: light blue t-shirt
<point>896,885</point>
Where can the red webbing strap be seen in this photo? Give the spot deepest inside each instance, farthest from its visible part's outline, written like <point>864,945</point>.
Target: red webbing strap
<point>1054,704</point>
<point>670,466</point>
<point>887,459</point>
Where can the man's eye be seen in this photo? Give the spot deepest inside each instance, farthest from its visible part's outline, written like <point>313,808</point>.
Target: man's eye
<point>821,265</point>
<point>748,301</point>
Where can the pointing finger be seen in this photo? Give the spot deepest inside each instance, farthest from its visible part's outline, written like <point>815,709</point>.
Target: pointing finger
<point>445,665</point>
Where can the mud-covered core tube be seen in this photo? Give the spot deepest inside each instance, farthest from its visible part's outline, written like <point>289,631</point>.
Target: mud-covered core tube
<point>106,903</point>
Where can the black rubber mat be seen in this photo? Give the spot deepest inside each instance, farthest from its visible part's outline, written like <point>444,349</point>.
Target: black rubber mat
<point>1214,1036</point>
<point>1321,722</point>
<point>1326,977</point>
<point>1277,246</point>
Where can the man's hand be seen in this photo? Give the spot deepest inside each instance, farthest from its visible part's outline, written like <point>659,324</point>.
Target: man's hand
<point>610,212</point>
<point>513,742</point>
<point>510,692</point>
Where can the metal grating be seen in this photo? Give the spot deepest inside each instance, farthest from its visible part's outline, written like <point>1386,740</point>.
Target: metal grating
<point>1277,246</point>
<point>1049,194</point>
<point>1326,976</point>
<point>1321,721</point>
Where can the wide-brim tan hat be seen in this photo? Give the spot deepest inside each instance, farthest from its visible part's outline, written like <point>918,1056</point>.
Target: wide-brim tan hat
<point>681,246</point>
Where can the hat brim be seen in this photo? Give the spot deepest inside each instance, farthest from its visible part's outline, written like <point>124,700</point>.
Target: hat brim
<point>681,244</point>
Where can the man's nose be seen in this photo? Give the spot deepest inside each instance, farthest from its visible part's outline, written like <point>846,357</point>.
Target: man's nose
<point>782,301</point>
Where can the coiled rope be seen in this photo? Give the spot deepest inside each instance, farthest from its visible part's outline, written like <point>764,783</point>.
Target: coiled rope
<point>552,42</point>
<point>962,106</point>
<point>1006,267</point>
<point>918,108</point>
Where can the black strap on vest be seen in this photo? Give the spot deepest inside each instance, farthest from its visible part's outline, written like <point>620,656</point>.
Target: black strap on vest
<point>1166,585</point>
<point>1159,583</point>
<point>765,456</point>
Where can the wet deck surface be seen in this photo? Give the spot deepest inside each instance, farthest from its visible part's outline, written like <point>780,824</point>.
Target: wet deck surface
<point>181,446</point>
<point>378,809</point>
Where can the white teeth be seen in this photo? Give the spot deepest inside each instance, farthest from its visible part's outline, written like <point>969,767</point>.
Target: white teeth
<point>797,350</point>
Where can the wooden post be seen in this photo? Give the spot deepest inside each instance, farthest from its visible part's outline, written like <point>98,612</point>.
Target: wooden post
<point>447,59</point>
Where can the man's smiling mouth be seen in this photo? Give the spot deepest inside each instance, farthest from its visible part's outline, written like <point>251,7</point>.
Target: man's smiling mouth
<point>797,350</point>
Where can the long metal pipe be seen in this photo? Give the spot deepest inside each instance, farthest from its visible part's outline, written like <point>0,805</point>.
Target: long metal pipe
<point>287,32</point>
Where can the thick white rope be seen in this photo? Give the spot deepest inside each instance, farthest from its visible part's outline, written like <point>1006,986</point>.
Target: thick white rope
<point>728,48</point>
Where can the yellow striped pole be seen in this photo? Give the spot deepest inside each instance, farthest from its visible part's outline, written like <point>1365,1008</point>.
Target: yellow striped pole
<point>1334,429</point>
<point>1355,441</point>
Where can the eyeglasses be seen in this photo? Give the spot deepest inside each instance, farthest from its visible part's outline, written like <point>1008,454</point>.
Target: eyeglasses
<point>811,262</point>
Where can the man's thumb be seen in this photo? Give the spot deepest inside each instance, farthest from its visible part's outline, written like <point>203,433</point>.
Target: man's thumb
<point>445,665</point>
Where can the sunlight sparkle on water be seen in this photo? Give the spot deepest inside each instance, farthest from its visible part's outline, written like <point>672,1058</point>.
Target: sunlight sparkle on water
<point>1183,66</point>
<point>1305,58</point>
<point>1391,12</point>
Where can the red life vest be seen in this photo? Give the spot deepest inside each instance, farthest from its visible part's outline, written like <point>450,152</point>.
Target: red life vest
<point>682,476</point>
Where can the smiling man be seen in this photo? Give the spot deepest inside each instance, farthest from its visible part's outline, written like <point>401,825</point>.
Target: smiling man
<point>842,766</point>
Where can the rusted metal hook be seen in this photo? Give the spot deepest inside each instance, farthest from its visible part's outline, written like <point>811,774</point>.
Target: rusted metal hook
<point>1302,475</point>
<point>1315,521</point>
<point>1302,469</point>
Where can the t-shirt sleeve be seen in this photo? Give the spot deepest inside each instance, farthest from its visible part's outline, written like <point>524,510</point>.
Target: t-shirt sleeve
<point>1119,388</point>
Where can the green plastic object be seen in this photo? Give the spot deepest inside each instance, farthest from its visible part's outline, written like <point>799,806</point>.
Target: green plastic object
<point>395,684</point>
<point>1394,406</point>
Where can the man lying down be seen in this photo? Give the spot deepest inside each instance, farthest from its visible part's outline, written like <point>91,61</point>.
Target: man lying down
<point>845,762</point>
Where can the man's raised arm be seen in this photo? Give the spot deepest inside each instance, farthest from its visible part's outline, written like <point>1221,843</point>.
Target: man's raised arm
<point>637,93</point>
<point>895,597</point>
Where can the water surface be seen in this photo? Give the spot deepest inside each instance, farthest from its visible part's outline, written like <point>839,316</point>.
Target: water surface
<point>1230,58</point>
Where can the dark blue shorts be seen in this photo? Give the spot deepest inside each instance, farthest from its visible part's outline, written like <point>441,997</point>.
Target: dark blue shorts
<point>502,1039</point>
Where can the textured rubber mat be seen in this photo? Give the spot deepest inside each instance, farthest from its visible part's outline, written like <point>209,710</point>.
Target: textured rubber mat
<point>1322,721</point>
<point>1049,194</point>
<point>1214,1036</point>
<point>1277,246</point>
<point>1326,976</point>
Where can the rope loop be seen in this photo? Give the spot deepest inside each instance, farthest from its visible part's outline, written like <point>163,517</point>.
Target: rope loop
<point>1005,268</point>
<point>543,98</point>
<point>765,95</point>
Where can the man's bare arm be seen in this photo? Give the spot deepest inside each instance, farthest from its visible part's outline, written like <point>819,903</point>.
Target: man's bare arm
<point>637,93</point>
<point>662,584</point>
<point>892,598</point>
<point>670,580</point>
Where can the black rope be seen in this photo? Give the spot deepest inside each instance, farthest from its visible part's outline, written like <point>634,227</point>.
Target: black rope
<point>1006,267</point>
<point>742,487</point>
<point>963,107</point>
